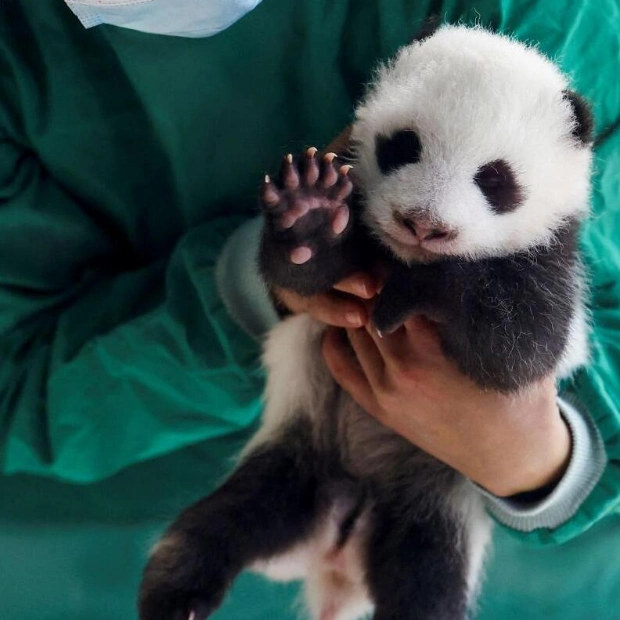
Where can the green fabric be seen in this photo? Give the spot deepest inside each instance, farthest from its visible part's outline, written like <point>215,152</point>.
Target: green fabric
<point>126,160</point>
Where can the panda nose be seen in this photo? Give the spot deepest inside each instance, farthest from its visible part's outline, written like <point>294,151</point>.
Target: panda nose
<point>423,230</point>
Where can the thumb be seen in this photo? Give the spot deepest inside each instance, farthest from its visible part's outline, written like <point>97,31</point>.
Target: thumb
<point>346,370</point>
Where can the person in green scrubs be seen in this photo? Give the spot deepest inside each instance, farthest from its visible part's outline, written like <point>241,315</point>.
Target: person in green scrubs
<point>130,308</point>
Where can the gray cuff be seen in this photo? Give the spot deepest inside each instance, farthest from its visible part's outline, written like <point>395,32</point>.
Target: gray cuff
<point>240,284</point>
<point>588,460</point>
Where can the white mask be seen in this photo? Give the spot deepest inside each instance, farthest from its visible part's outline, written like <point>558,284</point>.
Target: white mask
<point>183,18</point>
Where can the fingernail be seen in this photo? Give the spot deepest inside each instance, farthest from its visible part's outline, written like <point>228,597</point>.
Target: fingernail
<point>362,289</point>
<point>353,318</point>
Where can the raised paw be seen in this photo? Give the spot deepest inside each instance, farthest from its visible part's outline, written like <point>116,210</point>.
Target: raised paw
<point>307,205</point>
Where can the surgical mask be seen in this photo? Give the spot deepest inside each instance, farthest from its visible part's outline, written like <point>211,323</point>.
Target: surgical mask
<point>183,18</point>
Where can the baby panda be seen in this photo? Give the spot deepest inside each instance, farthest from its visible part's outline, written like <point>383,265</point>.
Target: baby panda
<point>471,165</point>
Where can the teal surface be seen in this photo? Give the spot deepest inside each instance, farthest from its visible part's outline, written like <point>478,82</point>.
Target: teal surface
<point>126,159</point>
<point>77,552</point>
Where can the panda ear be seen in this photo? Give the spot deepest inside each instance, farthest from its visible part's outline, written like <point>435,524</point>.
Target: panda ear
<point>429,27</point>
<point>583,122</point>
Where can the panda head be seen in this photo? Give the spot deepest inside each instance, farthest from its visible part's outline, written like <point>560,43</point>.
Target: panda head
<point>471,144</point>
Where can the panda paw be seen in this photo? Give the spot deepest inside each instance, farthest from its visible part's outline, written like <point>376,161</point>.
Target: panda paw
<point>180,582</point>
<point>306,207</point>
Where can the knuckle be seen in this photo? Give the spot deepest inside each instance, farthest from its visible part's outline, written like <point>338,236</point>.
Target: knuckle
<point>386,398</point>
<point>404,372</point>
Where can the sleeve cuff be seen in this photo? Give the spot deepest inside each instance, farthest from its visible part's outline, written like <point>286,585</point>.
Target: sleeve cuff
<point>240,284</point>
<point>587,463</point>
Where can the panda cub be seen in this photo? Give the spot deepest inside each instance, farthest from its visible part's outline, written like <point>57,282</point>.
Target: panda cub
<point>471,168</point>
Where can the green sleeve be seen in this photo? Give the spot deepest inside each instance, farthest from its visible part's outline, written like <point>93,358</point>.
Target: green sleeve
<point>114,342</point>
<point>105,365</point>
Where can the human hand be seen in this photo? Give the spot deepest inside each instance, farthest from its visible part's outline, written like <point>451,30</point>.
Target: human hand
<point>508,444</point>
<point>342,307</point>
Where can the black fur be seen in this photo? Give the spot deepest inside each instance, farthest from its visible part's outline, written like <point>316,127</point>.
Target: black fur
<point>497,182</point>
<point>583,125</point>
<point>399,149</point>
<point>505,320</point>
<point>416,567</point>
<point>430,25</point>
<point>220,535</point>
<point>274,500</point>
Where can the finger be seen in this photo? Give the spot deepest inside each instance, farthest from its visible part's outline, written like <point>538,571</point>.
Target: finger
<point>395,347</point>
<point>368,356</point>
<point>359,284</point>
<point>422,335</point>
<point>337,311</point>
<point>346,371</point>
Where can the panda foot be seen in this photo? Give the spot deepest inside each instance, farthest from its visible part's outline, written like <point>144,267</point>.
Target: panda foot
<point>307,205</point>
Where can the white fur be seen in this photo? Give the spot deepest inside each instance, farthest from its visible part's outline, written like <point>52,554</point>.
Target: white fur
<point>577,350</point>
<point>294,380</point>
<point>467,503</point>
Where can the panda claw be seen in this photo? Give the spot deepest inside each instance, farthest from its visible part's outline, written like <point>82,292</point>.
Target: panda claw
<point>271,196</point>
<point>311,170</point>
<point>290,177</point>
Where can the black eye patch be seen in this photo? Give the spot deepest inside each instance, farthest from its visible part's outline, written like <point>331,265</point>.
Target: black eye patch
<point>497,182</point>
<point>399,149</point>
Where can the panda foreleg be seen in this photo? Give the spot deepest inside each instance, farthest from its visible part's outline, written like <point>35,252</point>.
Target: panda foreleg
<point>267,505</point>
<point>409,290</point>
<point>310,237</point>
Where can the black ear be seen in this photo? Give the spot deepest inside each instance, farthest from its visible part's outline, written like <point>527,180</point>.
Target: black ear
<point>583,126</point>
<point>429,26</point>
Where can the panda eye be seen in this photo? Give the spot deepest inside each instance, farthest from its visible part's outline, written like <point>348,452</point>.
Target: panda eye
<point>399,149</point>
<point>497,182</point>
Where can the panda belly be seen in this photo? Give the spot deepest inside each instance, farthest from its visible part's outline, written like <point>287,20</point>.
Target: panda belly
<point>333,570</point>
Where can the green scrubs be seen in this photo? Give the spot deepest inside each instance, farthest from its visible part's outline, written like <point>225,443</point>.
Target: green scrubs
<point>126,160</point>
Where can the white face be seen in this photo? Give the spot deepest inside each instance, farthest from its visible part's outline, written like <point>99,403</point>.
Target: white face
<point>464,147</point>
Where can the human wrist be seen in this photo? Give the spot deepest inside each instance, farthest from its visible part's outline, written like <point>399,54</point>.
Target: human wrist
<point>526,513</point>
<point>535,449</point>
<point>538,481</point>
